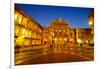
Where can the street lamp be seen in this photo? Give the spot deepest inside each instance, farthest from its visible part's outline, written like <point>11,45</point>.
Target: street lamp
<point>90,22</point>
<point>79,41</point>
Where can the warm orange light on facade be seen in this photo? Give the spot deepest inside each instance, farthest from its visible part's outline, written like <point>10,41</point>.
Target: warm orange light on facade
<point>19,19</point>
<point>60,39</point>
<point>19,40</point>
<point>53,34</point>
<point>16,15</point>
<point>65,39</point>
<point>26,42</point>
<point>71,39</point>
<point>23,32</point>
<point>55,39</point>
<point>60,30</point>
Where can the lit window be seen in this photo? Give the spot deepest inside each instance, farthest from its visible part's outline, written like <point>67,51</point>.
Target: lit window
<point>17,30</point>
<point>30,33</point>
<point>26,33</point>
<point>33,42</point>
<point>34,35</point>
<point>65,39</point>
<point>19,41</point>
<point>24,22</point>
<point>52,34</point>
<point>19,19</point>
<point>40,31</point>
<point>29,24</point>
<point>23,32</point>
<point>55,39</point>
<point>16,15</point>
<point>60,30</point>
<point>64,30</point>
<point>26,42</point>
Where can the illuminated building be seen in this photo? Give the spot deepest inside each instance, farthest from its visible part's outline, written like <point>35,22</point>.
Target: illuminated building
<point>83,35</point>
<point>72,36</point>
<point>30,38</point>
<point>47,38</point>
<point>27,35</point>
<point>91,23</point>
<point>59,34</point>
<point>91,20</point>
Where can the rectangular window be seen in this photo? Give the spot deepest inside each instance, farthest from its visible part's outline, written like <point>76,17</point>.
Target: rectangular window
<point>19,19</point>
<point>30,34</point>
<point>21,32</point>
<point>33,42</point>
<point>24,22</point>
<point>15,17</point>
<point>19,41</point>
<point>17,29</point>
<point>31,25</point>
<point>26,42</point>
<point>28,24</point>
<point>34,35</point>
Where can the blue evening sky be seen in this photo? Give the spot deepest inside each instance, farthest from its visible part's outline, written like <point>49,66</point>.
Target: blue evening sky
<point>77,17</point>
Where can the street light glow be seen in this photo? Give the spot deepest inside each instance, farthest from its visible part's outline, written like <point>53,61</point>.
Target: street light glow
<point>90,22</point>
<point>65,39</point>
<point>79,41</point>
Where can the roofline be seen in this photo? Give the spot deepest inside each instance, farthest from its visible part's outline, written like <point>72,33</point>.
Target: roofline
<point>26,15</point>
<point>91,13</point>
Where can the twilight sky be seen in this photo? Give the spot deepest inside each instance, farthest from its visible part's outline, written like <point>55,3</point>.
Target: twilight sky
<point>77,17</point>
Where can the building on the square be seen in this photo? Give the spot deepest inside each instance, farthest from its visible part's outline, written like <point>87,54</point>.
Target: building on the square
<point>83,35</point>
<point>59,33</point>
<point>72,36</point>
<point>91,20</point>
<point>91,23</point>
<point>27,34</point>
<point>30,38</point>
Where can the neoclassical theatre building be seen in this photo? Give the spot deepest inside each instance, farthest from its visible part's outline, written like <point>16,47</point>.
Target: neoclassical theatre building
<point>30,37</point>
<point>58,33</point>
